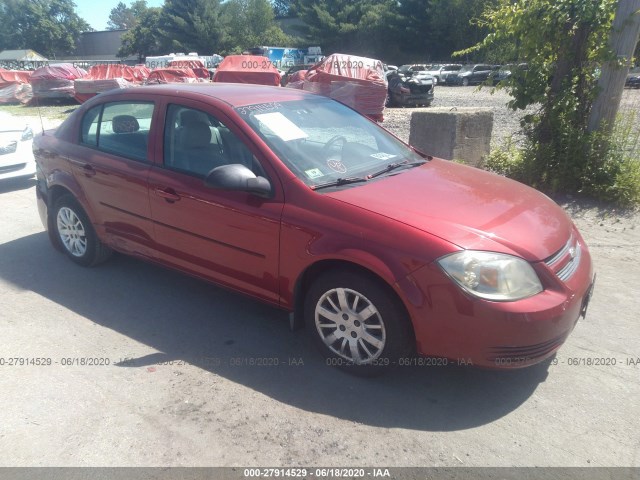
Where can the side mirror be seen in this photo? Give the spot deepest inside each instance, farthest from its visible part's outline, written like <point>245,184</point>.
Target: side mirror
<point>237,177</point>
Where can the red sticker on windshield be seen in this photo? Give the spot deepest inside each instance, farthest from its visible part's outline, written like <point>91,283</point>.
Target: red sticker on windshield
<point>337,166</point>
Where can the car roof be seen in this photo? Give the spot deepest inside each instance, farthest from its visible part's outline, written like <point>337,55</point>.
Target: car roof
<point>235,94</point>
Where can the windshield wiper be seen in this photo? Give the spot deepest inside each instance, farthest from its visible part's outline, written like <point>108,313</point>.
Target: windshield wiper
<point>339,181</point>
<point>393,166</point>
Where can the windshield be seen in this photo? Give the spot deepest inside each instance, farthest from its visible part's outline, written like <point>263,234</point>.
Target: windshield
<point>321,140</point>
<point>466,68</point>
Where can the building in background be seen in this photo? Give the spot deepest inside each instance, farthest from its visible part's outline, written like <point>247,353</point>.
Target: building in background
<point>21,60</point>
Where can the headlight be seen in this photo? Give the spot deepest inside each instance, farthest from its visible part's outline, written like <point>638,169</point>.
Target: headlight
<point>492,276</point>
<point>27,134</point>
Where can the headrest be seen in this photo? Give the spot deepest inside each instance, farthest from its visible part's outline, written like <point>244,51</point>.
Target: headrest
<point>125,124</point>
<point>197,135</point>
<point>188,117</point>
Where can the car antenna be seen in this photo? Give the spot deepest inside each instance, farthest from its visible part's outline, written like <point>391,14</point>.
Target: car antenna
<point>39,114</point>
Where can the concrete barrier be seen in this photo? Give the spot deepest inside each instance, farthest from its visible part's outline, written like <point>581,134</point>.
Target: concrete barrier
<point>462,134</point>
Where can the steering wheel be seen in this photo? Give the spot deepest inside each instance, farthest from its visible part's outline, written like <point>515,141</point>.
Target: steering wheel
<point>326,150</point>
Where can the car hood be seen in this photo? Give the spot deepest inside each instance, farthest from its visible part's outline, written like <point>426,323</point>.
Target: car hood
<point>468,207</point>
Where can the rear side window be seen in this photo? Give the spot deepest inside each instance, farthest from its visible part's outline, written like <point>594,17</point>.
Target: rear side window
<point>120,128</point>
<point>90,123</point>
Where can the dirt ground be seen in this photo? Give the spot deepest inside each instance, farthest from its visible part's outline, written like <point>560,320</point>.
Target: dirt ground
<point>184,373</point>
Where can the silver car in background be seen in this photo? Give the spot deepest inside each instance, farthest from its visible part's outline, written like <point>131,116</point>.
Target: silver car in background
<point>16,155</point>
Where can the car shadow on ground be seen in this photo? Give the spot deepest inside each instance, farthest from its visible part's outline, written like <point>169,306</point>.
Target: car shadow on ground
<point>16,184</point>
<point>190,320</point>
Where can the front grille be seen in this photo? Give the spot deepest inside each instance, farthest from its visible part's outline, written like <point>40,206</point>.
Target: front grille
<point>420,89</point>
<point>525,352</point>
<point>11,147</point>
<point>565,262</point>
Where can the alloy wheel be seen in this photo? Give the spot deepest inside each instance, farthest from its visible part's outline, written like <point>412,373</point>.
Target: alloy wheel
<point>350,325</point>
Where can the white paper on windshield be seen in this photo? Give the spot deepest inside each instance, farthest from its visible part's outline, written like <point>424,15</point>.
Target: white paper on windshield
<point>383,156</point>
<point>281,126</point>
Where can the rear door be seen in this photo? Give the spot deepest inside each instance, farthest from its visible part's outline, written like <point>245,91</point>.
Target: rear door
<point>111,163</point>
<point>230,237</point>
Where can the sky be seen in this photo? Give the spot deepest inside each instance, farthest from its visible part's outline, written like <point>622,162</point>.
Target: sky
<point>96,12</point>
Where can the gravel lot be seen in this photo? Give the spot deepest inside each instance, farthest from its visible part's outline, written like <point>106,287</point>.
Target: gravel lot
<point>179,390</point>
<point>506,122</point>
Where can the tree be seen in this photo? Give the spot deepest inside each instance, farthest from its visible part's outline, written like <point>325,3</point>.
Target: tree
<point>283,8</point>
<point>398,31</point>
<point>48,26</point>
<point>624,38</point>
<point>193,25</point>
<point>563,42</point>
<point>123,17</point>
<point>145,38</point>
<point>253,24</point>
<point>452,25</point>
<point>349,26</point>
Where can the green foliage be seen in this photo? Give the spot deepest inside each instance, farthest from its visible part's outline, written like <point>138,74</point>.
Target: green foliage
<point>284,8</point>
<point>193,25</point>
<point>506,160</point>
<point>606,167</point>
<point>253,24</point>
<point>563,42</point>
<point>613,172</point>
<point>49,27</point>
<point>396,31</point>
<point>145,38</point>
<point>123,17</point>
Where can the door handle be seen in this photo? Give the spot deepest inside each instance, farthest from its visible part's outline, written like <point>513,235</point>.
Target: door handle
<point>88,170</point>
<point>169,194</point>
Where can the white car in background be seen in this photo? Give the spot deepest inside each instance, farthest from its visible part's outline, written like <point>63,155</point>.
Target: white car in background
<point>16,154</point>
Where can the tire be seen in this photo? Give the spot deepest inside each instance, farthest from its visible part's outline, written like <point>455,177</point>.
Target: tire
<point>389,102</point>
<point>357,322</point>
<point>75,233</point>
<point>465,82</point>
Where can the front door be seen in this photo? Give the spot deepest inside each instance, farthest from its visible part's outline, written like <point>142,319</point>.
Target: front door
<point>230,237</point>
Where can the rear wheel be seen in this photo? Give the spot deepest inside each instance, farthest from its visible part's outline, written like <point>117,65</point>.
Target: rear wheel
<point>75,234</point>
<point>357,322</point>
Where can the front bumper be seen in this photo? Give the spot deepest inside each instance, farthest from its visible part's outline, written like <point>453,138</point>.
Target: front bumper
<point>417,96</point>
<point>451,324</point>
<point>17,163</point>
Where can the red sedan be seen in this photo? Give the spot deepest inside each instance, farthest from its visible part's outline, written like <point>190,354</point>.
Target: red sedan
<point>299,201</point>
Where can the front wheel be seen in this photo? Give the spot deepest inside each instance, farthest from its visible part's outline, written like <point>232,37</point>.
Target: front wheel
<point>75,234</point>
<point>465,82</point>
<point>357,322</point>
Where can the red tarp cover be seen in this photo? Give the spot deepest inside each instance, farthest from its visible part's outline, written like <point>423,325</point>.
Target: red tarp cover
<point>15,92</point>
<point>55,81</point>
<point>358,82</point>
<point>296,80</point>
<point>105,72</point>
<point>14,86</point>
<point>14,76</point>
<point>247,69</point>
<point>107,77</point>
<point>194,64</point>
<point>172,75</point>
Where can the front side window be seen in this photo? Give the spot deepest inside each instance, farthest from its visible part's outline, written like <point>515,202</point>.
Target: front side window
<point>196,142</point>
<point>321,140</point>
<point>120,128</point>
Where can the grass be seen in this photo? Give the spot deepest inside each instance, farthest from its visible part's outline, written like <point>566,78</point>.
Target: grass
<point>51,111</point>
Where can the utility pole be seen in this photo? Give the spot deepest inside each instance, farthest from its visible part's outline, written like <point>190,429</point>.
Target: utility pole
<point>623,40</point>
